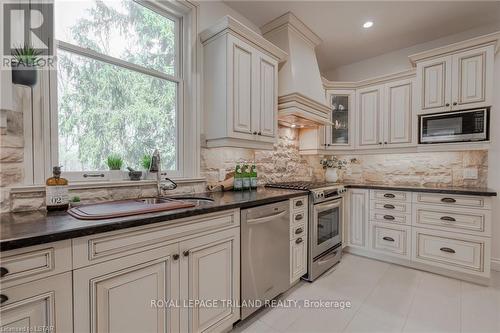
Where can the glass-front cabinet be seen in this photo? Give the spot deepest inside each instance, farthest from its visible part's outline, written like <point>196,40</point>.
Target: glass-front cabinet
<point>340,134</point>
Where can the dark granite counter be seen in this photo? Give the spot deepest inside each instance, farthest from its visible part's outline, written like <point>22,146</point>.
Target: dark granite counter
<point>31,228</point>
<point>480,191</point>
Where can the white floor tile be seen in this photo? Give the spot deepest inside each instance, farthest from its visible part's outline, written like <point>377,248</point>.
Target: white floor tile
<point>480,308</point>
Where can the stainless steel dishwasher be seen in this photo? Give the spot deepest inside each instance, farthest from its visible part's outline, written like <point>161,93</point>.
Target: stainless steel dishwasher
<point>265,254</point>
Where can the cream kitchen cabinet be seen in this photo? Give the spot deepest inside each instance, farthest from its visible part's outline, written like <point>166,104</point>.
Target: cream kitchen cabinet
<point>340,136</point>
<point>43,305</point>
<point>456,81</point>
<point>240,86</point>
<point>298,238</point>
<point>357,224</point>
<point>385,115</point>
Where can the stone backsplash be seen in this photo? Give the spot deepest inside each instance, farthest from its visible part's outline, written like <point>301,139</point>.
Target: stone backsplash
<point>439,169</point>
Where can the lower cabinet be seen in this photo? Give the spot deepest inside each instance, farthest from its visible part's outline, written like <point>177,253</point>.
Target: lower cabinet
<point>392,240</point>
<point>40,306</point>
<point>298,259</point>
<point>181,287</point>
<point>357,226</point>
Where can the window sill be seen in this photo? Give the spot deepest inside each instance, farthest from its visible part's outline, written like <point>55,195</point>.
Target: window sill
<point>105,184</point>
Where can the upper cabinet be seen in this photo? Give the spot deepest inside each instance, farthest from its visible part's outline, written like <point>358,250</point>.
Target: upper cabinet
<point>456,77</point>
<point>240,71</point>
<point>340,135</point>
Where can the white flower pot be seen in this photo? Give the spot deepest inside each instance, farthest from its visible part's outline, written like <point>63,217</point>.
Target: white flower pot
<point>116,175</point>
<point>331,175</point>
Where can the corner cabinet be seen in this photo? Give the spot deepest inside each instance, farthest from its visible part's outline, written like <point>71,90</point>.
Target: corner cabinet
<point>456,81</point>
<point>240,81</point>
<point>340,136</point>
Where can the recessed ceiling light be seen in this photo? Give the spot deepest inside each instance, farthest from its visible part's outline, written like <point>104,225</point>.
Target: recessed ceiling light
<point>368,24</point>
<point>293,126</point>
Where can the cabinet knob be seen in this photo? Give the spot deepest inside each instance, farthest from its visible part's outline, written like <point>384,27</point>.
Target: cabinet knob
<point>448,219</point>
<point>389,217</point>
<point>298,217</point>
<point>260,133</point>
<point>3,299</point>
<point>186,253</point>
<point>389,195</point>
<point>3,271</point>
<point>389,206</point>
<point>380,143</point>
<point>455,103</point>
<point>299,231</point>
<point>175,256</point>
<point>447,104</point>
<point>448,200</point>
<point>299,204</point>
<point>389,239</point>
<point>385,142</point>
<point>254,133</point>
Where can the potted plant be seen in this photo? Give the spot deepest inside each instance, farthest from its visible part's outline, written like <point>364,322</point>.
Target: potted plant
<point>24,65</point>
<point>146,165</point>
<point>75,201</point>
<point>115,163</point>
<point>332,165</point>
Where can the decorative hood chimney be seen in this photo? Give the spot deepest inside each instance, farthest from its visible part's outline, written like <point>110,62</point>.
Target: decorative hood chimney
<point>301,96</point>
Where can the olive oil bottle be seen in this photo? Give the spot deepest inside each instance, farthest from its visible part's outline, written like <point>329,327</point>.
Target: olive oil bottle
<point>56,191</point>
<point>238,179</point>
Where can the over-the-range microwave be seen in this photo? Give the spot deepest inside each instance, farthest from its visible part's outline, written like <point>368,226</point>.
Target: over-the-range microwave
<point>456,126</point>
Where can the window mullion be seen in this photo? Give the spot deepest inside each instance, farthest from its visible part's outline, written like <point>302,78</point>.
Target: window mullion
<point>114,61</point>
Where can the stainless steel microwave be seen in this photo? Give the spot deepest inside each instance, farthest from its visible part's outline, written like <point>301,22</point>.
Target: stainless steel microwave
<point>458,126</point>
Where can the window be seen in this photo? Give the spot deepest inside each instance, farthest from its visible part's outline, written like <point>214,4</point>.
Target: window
<point>119,85</point>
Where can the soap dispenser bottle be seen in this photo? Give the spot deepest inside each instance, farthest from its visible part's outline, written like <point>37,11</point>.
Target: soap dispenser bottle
<point>56,191</point>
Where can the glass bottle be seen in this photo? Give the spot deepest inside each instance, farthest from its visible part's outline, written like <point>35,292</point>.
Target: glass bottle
<point>56,191</point>
<point>238,179</point>
<point>253,176</point>
<point>246,177</point>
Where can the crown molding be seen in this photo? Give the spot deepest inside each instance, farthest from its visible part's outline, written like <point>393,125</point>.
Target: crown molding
<point>230,25</point>
<point>407,74</point>
<point>293,23</point>
<point>299,109</point>
<point>490,39</point>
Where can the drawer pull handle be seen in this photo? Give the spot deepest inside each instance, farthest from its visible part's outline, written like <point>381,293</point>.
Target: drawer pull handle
<point>186,253</point>
<point>298,241</point>
<point>299,231</point>
<point>388,206</point>
<point>389,217</point>
<point>448,219</point>
<point>389,239</point>
<point>87,175</point>
<point>447,250</point>
<point>389,195</point>
<point>298,217</point>
<point>299,203</point>
<point>175,256</point>
<point>448,200</point>
<point>3,299</point>
<point>3,271</point>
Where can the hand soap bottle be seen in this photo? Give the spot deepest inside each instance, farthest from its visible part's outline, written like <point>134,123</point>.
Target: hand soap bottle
<point>56,191</point>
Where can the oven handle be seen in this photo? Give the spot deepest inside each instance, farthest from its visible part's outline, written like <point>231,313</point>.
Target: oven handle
<point>328,205</point>
<point>328,257</point>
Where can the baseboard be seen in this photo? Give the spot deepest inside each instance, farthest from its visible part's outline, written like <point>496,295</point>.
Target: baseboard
<point>495,264</point>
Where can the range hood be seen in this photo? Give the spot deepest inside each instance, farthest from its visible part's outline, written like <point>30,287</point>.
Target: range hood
<point>301,96</point>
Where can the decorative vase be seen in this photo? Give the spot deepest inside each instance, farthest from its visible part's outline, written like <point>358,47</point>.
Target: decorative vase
<point>23,74</point>
<point>331,175</point>
<point>116,174</point>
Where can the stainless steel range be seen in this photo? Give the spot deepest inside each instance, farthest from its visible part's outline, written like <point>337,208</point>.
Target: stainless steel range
<point>324,226</point>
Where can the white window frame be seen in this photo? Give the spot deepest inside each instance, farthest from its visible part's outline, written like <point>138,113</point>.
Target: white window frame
<point>41,133</point>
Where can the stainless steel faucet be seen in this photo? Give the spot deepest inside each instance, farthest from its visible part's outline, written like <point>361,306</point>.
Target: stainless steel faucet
<point>155,166</point>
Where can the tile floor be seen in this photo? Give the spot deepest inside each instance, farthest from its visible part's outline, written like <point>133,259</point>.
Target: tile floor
<point>385,298</point>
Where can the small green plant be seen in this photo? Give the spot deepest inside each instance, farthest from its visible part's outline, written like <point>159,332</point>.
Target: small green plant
<point>146,161</point>
<point>75,199</point>
<point>26,55</point>
<point>333,162</point>
<point>114,162</point>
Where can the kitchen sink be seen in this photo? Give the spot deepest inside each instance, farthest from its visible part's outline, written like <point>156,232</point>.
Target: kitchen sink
<point>155,201</point>
<point>160,200</point>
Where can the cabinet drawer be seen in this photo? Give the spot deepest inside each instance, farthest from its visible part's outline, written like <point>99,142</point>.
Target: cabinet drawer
<point>390,217</point>
<point>111,245</point>
<point>299,203</point>
<point>463,253</point>
<point>390,195</point>
<point>297,231</point>
<point>456,219</point>
<point>298,258</point>
<point>34,262</point>
<point>391,239</point>
<point>453,200</point>
<point>391,206</point>
<point>299,217</point>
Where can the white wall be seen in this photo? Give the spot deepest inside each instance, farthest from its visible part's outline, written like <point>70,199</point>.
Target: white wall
<point>494,165</point>
<point>211,11</point>
<point>397,61</point>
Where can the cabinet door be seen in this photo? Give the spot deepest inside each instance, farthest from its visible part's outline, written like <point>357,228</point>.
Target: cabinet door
<point>210,271</point>
<point>434,81</point>
<point>358,217</point>
<point>267,107</point>
<point>119,295</point>
<point>399,116</point>
<point>298,258</point>
<point>370,117</point>
<point>240,80</point>
<point>472,78</point>
<point>43,305</point>
<point>341,134</point>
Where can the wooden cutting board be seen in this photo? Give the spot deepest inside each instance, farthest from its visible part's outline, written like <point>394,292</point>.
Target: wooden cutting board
<point>107,210</point>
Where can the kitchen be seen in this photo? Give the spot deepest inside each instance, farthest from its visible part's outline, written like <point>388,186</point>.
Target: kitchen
<point>335,162</point>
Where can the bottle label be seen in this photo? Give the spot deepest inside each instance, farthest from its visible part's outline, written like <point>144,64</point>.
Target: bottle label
<point>253,182</point>
<point>56,195</point>
<point>246,182</point>
<point>238,183</point>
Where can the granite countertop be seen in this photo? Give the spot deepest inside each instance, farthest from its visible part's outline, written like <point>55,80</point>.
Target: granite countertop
<point>480,191</point>
<point>38,227</point>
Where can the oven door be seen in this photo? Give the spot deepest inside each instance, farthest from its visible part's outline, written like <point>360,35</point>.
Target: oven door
<point>326,226</point>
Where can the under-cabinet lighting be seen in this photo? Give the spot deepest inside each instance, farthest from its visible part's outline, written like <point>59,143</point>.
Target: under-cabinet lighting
<point>368,24</point>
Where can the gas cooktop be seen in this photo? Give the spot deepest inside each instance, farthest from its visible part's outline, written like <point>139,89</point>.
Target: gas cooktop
<point>304,185</point>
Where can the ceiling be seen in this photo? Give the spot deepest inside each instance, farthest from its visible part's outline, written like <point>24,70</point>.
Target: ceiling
<point>397,24</point>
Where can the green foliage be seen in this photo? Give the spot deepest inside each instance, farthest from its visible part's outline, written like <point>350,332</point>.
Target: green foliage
<point>114,162</point>
<point>105,109</point>
<point>75,199</point>
<point>146,162</point>
<point>26,55</point>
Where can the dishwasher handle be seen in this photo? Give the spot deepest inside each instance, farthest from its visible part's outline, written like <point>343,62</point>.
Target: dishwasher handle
<point>266,219</point>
